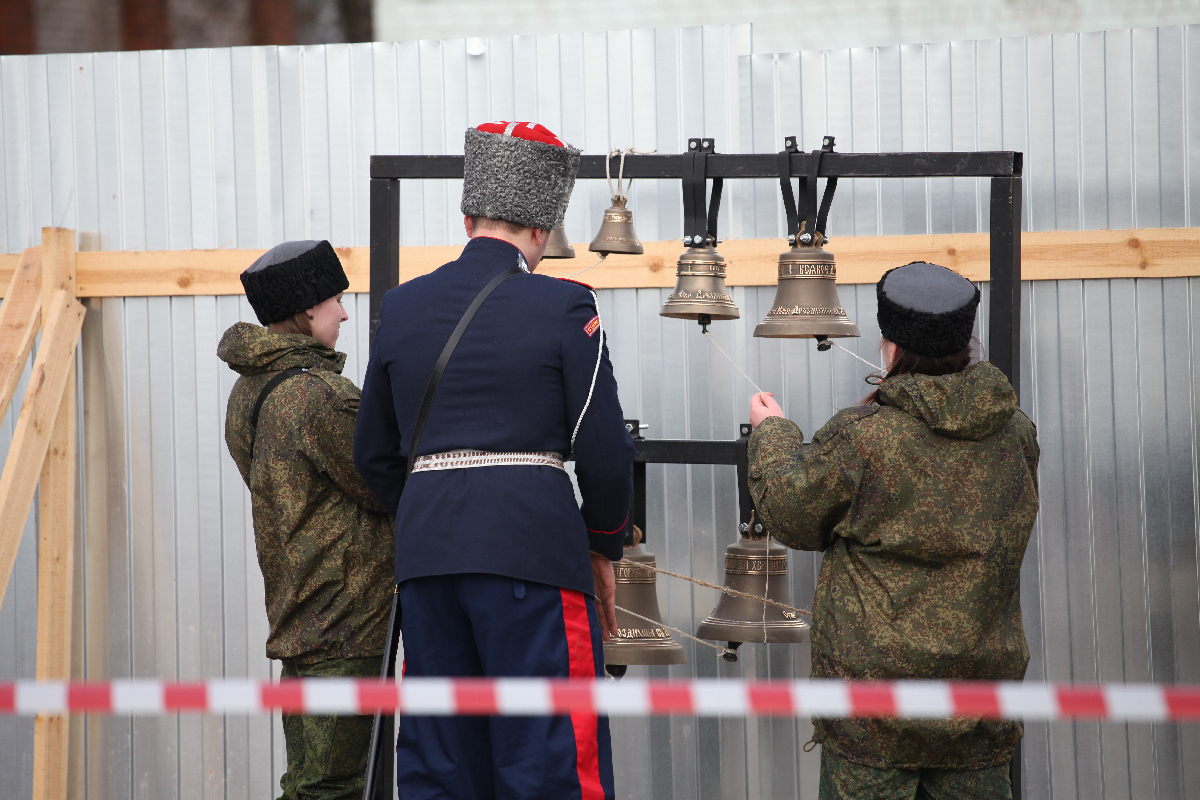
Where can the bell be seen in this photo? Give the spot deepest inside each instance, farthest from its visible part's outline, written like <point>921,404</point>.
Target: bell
<point>616,233</point>
<point>558,246</point>
<point>638,641</point>
<point>758,567</point>
<point>806,301</point>
<point>700,287</point>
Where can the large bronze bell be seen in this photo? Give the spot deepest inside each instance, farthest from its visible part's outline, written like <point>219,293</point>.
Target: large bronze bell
<point>559,246</point>
<point>700,287</point>
<point>616,234</point>
<point>638,641</point>
<point>757,566</point>
<point>806,301</point>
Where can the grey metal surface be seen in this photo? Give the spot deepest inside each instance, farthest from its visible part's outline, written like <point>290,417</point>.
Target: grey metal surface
<point>251,146</point>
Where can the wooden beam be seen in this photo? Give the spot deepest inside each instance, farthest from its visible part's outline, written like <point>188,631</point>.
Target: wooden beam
<point>1046,255</point>
<point>150,273</point>
<point>56,572</point>
<point>58,265</point>
<point>52,369</point>
<point>56,536</point>
<point>20,315</point>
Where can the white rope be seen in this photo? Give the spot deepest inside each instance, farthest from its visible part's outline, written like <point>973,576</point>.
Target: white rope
<point>731,361</point>
<point>622,152</point>
<point>856,355</point>
<point>585,269</point>
<point>720,650</point>
<point>766,583</point>
<point>725,589</point>
<point>595,372</point>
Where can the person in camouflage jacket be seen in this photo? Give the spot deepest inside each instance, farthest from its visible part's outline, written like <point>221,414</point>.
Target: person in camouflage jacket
<point>325,543</point>
<point>922,501</point>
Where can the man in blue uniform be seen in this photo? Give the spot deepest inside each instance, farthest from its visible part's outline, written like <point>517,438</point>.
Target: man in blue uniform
<point>501,573</point>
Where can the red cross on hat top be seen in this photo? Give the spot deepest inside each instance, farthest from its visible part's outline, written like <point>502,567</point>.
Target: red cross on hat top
<point>530,131</point>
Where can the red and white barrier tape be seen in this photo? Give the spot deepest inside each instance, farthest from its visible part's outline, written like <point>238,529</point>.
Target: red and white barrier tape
<point>629,697</point>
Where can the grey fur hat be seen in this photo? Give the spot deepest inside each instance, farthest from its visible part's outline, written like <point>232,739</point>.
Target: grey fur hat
<point>519,172</point>
<point>292,277</point>
<point>927,309</point>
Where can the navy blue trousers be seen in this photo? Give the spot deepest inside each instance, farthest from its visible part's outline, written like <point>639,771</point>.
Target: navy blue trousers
<point>475,625</point>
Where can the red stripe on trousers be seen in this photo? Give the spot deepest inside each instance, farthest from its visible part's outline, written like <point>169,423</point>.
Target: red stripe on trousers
<point>583,665</point>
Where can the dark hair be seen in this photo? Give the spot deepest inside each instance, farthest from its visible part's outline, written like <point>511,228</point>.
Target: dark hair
<point>483,223</point>
<point>297,323</point>
<point>907,362</point>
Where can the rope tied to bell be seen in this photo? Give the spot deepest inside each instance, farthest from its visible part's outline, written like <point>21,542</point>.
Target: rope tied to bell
<point>622,152</point>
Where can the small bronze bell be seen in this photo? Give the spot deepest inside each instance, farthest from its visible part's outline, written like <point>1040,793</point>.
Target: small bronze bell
<point>558,246</point>
<point>806,301</point>
<point>616,234</point>
<point>638,641</point>
<point>757,566</point>
<point>700,287</point>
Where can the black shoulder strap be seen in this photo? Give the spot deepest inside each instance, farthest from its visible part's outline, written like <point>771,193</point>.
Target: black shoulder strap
<point>444,359</point>
<point>262,397</point>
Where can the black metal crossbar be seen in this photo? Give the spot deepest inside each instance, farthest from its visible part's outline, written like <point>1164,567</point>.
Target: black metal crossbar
<point>999,164</point>
<point>734,452</point>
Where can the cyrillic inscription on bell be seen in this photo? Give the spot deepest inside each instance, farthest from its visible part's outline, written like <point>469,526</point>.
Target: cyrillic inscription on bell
<point>559,246</point>
<point>806,300</point>
<point>700,287</point>
<point>638,641</point>
<point>756,566</point>
<point>616,234</point>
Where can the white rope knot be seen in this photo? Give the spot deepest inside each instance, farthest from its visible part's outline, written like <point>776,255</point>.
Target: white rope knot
<point>622,152</point>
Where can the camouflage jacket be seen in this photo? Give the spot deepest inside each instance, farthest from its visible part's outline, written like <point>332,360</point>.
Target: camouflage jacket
<point>923,506</point>
<point>325,544</point>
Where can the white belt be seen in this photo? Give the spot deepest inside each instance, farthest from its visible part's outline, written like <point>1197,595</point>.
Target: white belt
<point>463,459</point>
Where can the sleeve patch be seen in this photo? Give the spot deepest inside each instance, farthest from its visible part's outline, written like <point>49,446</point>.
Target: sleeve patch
<point>592,325</point>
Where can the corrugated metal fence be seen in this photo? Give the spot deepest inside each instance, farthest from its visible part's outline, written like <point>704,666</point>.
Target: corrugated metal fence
<point>250,146</point>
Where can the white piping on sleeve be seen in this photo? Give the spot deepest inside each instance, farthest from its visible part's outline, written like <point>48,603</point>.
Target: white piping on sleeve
<point>595,372</point>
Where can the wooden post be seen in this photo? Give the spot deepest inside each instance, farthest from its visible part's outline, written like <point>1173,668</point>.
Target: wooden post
<point>56,536</point>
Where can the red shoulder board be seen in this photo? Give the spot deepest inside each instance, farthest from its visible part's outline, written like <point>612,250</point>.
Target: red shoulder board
<point>581,283</point>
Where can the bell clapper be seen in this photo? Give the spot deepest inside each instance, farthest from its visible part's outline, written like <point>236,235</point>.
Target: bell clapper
<point>823,343</point>
<point>617,671</point>
<point>705,320</point>
<point>730,652</point>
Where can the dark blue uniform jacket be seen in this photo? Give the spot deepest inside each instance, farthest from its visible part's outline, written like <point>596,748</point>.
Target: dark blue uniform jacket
<point>517,382</point>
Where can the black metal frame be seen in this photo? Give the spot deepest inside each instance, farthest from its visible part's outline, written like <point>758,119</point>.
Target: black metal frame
<point>688,451</point>
<point>700,164</point>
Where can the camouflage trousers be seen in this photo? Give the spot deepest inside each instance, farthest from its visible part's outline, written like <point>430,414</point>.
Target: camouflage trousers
<point>327,756</point>
<point>845,780</point>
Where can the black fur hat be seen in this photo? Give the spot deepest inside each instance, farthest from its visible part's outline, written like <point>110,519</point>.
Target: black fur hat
<point>291,277</point>
<point>518,171</point>
<point>927,309</point>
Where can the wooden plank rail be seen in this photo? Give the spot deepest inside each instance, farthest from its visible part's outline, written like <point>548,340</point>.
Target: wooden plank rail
<point>20,316</point>
<point>1046,255</point>
<point>52,369</point>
